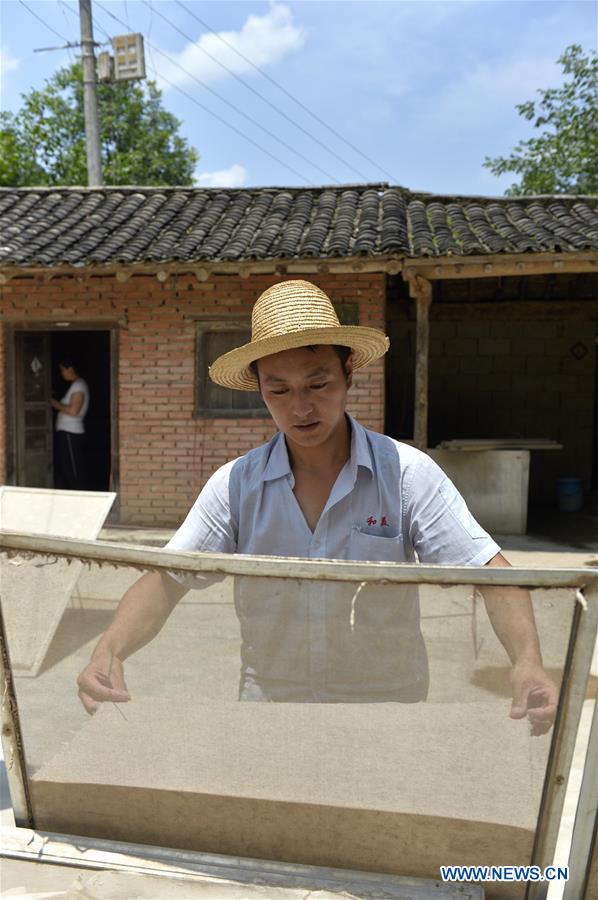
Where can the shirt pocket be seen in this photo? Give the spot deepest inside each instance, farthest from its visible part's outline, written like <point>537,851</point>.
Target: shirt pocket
<point>366,547</point>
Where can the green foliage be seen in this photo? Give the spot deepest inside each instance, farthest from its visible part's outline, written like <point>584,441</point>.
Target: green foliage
<point>44,143</point>
<point>563,158</point>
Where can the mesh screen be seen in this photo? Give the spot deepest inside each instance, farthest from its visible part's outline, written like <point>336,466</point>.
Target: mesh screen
<point>352,725</point>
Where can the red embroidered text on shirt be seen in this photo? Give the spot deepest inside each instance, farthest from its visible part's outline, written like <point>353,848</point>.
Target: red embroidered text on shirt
<point>372,521</point>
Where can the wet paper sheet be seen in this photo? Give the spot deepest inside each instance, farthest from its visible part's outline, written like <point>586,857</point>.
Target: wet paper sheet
<point>35,596</point>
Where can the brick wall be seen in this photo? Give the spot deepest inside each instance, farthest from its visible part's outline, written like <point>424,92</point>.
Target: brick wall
<point>165,455</point>
<point>4,375</point>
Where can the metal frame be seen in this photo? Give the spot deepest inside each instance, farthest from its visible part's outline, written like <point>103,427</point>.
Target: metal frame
<point>194,867</point>
<point>582,641</point>
<point>586,821</point>
<point>12,742</point>
<point>577,665</point>
<point>291,567</point>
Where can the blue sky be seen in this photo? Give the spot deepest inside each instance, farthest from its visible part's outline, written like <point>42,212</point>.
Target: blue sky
<point>424,90</point>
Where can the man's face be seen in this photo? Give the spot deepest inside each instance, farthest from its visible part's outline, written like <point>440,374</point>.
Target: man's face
<point>306,392</point>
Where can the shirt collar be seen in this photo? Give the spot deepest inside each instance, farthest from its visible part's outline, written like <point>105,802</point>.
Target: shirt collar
<point>278,459</point>
<point>361,454</point>
<point>278,464</point>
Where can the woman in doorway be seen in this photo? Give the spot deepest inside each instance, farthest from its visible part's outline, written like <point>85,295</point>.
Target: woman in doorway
<point>70,430</point>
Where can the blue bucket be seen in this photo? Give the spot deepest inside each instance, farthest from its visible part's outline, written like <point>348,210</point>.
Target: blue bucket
<point>569,494</point>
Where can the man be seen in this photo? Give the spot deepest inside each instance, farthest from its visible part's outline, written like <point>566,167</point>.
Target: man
<point>324,487</point>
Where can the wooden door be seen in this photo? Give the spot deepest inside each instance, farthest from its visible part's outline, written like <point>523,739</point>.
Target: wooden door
<point>33,413</point>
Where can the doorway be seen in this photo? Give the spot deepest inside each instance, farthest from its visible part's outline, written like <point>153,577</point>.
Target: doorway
<point>37,379</point>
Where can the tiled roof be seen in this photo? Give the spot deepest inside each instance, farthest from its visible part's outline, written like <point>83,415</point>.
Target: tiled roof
<point>95,226</point>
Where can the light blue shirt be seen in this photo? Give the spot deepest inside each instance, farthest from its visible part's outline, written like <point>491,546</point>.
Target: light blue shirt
<point>323,642</point>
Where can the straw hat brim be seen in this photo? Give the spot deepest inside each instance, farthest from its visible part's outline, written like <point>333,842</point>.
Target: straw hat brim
<point>232,370</point>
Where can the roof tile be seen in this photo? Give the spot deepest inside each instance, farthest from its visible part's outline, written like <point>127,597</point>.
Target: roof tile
<point>86,226</point>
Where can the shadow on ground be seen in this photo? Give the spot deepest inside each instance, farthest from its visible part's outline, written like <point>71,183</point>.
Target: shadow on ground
<point>77,627</point>
<point>495,679</point>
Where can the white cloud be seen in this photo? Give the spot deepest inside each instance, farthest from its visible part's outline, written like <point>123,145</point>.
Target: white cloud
<point>7,63</point>
<point>488,93</point>
<point>236,176</point>
<point>262,39</point>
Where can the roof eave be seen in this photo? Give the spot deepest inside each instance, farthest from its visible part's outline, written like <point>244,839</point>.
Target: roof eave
<point>432,267</point>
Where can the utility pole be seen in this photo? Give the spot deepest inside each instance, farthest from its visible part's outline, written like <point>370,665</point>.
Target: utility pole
<point>90,103</point>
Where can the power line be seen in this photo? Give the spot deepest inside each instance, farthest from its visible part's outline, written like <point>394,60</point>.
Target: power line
<point>211,112</point>
<point>232,106</point>
<point>193,99</point>
<point>95,23</point>
<point>150,25</point>
<point>233,128</point>
<point>39,18</point>
<point>290,96</point>
<point>71,55</point>
<point>197,103</point>
<point>258,94</point>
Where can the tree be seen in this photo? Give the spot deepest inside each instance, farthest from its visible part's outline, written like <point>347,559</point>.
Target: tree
<point>563,159</point>
<point>44,143</point>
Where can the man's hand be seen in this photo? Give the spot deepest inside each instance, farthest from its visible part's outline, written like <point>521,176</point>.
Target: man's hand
<point>141,614</point>
<point>510,609</point>
<point>102,680</point>
<point>535,695</point>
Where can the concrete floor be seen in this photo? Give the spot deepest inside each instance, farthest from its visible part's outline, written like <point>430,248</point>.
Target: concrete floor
<point>573,543</point>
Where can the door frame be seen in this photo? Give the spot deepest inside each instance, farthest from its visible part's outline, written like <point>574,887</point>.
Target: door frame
<point>10,329</point>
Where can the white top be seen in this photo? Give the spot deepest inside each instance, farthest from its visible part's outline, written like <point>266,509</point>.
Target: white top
<point>317,641</point>
<point>74,424</point>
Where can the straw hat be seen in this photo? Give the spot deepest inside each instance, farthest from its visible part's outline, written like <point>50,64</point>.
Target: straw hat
<point>288,315</point>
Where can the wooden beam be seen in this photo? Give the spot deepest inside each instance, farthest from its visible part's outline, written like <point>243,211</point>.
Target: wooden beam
<point>431,268</point>
<point>500,265</point>
<point>421,291</point>
<point>532,310</point>
<point>204,269</point>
